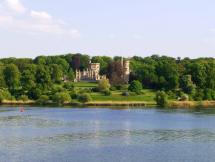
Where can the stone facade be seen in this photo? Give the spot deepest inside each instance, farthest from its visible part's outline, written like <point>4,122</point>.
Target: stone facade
<point>126,69</point>
<point>90,74</point>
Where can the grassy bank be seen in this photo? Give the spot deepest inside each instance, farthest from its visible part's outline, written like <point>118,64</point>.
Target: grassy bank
<point>172,104</point>
<point>192,104</point>
<point>146,98</point>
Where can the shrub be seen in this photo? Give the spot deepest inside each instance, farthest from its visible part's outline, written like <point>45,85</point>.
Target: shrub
<point>161,99</point>
<point>43,100</point>
<point>209,94</point>
<point>125,94</point>
<point>1,98</point>
<point>95,89</point>
<point>73,95</point>
<point>184,97</point>
<point>23,98</point>
<point>69,86</point>
<point>34,93</point>
<point>199,95</point>
<point>84,98</point>
<point>57,88</point>
<point>85,90</point>
<point>103,85</point>
<point>172,94</point>
<point>107,92</point>
<point>121,87</point>
<point>113,88</point>
<point>5,94</point>
<point>61,97</point>
<point>135,86</point>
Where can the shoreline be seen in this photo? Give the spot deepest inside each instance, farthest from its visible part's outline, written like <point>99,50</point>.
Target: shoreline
<point>172,104</point>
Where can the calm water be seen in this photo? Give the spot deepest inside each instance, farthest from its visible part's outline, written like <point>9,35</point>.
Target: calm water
<point>106,135</point>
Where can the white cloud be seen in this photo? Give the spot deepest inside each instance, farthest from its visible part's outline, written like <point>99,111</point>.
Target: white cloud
<point>16,6</point>
<point>41,15</point>
<point>32,21</point>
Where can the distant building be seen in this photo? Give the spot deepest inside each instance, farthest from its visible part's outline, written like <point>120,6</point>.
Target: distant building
<point>92,73</point>
<point>126,69</point>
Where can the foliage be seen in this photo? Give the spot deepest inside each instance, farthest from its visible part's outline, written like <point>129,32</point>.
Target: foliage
<point>103,85</point>
<point>135,86</point>
<point>69,86</point>
<point>161,98</point>
<point>106,92</point>
<point>115,73</point>
<point>187,84</point>
<point>184,97</point>
<point>34,93</point>
<point>5,94</point>
<point>1,98</point>
<point>12,76</point>
<point>125,94</point>
<point>43,100</point>
<point>61,98</point>
<point>45,75</point>
<point>23,98</point>
<point>56,73</point>
<point>85,97</point>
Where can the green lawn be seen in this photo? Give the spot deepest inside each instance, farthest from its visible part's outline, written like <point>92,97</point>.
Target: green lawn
<point>147,95</point>
<point>85,84</point>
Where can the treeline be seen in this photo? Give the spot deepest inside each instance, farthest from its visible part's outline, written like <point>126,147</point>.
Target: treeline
<point>184,79</point>
<point>180,78</point>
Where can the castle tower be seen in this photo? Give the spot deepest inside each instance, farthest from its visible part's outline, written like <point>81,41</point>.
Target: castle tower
<point>126,70</point>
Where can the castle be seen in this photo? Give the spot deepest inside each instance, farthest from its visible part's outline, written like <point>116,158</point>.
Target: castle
<point>92,73</point>
<point>126,69</point>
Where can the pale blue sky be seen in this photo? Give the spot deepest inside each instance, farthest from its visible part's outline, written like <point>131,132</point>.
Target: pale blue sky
<point>107,27</point>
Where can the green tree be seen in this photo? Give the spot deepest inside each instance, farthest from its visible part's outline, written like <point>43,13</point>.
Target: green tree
<point>23,98</point>
<point>2,79</point>
<point>104,61</point>
<point>28,80</point>
<point>56,73</point>
<point>1,98</point>
<point>161,99</point>
<point>43,100</point>
<point>70,75</point>
<point>135,86</point>
<point>61,98</point>
<point>12,76</point>
<point>43,77</point>
<point>103,85</point>
<point>187,84</point>
<point>84,98</point>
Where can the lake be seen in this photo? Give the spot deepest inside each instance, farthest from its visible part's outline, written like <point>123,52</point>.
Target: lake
<point>106,135</point>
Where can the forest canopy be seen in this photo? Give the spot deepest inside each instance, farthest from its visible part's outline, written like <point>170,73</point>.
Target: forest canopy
<point>33,78</point>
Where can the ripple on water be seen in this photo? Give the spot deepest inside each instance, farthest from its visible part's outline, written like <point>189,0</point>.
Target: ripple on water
<point>116,137</point>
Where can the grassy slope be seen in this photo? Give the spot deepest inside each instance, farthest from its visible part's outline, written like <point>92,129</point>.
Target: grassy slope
<point>116,96</point>
<point>85,85</point>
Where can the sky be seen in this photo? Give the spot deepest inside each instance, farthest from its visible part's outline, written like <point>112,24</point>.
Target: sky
<point>179,28</point>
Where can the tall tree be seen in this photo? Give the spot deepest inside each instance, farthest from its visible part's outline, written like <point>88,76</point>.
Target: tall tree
<point>115,73</point>
<point>12,76</point>
<point>56,73</point>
